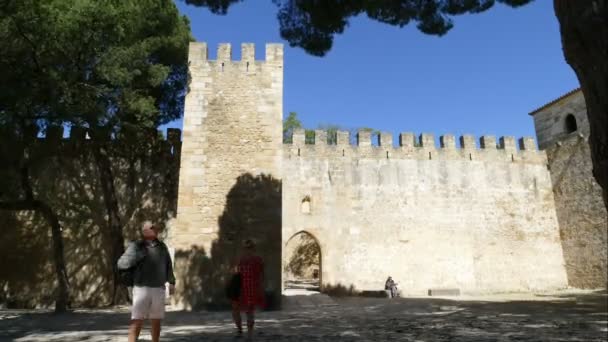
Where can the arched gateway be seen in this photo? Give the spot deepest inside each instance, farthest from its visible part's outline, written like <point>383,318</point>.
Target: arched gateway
<point>302,262</point>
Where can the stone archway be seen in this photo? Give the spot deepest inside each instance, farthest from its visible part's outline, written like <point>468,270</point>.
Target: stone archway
<point>302,263</point>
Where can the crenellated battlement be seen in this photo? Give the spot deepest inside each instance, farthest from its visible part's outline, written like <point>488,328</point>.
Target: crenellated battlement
<point>411,146</point>
<point>57,136</point>
<point>198,55</point>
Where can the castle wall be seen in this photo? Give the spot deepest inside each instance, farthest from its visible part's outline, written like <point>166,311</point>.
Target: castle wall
<point>486,219</point>
<point>481,220</point>
<point>65,177</point>
<point>581,213</point>
<point>230,176</point>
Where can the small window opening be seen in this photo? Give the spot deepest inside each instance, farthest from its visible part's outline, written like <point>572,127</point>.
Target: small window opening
<point>571,125</point>
<point>222,66</point>
<point>247,66</point>
<point>305,206</point>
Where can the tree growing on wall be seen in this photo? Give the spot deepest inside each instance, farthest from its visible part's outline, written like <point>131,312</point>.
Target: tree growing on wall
<point>108,66</point>
<point>292,122</point>
<point>312,26</point>
<point>332,133</point>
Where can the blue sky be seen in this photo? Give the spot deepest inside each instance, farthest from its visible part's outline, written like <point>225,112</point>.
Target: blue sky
<point>483,77</point>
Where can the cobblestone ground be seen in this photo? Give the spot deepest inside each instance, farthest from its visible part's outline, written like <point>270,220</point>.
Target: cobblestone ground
<point>565,316</point>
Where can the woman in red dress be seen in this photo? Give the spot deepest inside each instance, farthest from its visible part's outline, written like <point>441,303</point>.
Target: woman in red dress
<point>251,269</point>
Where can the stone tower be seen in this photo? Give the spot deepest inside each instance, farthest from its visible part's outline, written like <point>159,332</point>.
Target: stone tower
<point>230,175</point>
<point>560,118</point>
<point>563,132</point>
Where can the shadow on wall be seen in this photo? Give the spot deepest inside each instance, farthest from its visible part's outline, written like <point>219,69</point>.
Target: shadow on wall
<point>64,176</point>
<point>252,211</point>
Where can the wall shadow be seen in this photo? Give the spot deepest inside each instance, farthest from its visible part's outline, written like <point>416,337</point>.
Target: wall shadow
<point>63,174</point>
<point>253,211</point>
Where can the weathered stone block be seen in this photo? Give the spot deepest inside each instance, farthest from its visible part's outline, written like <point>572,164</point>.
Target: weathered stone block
<point>447,141</point>
<point>444,292</point>
<point>364,138</point>
<point>385,139</point>
<point>407,140</point>
<point>488,142</point>
<point>427,140</point>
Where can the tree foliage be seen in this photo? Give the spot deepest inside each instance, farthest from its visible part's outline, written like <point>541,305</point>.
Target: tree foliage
<point>292,122</point>
<point>312,24</point>
<point>108,66</point>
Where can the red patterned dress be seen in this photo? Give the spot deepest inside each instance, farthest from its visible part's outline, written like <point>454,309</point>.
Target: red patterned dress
<point>251,269</point>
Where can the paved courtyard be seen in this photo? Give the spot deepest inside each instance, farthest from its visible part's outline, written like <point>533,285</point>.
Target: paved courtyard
<point>563,316</point>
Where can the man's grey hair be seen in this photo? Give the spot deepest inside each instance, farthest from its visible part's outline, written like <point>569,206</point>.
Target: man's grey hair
<point>148,225</point>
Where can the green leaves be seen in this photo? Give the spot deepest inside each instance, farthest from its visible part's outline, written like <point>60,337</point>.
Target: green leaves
<point>312,25</point>
<point>92,62</point>
<point>215,6</point>
<point>290,124</point>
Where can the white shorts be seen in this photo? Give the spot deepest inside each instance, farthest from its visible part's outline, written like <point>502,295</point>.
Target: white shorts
<point>148,303</point>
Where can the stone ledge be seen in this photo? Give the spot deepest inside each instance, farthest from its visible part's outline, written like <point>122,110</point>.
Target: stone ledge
<point>444,292</point>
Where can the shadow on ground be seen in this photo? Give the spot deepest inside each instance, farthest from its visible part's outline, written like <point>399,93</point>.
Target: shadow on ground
<point>561,317</point>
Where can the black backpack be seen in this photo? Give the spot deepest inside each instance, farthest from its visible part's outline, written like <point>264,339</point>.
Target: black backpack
<point>233,287</point>
<point>127,277</point>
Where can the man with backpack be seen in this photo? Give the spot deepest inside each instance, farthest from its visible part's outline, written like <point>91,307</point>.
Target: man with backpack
<point>146,266</point>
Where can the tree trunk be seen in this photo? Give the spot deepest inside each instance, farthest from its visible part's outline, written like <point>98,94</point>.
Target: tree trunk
<point>62,303</point>
<point>115,236</point>
<point>62,299</point>
<point>584,31</point>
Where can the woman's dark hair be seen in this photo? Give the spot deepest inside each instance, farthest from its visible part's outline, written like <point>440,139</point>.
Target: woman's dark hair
<point>249,244</point>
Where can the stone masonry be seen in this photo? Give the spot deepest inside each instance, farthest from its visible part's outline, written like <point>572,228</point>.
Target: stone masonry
<point>480,216</point>
<point>477,218</point>
<point>232,128</point>
<point>563,131</point>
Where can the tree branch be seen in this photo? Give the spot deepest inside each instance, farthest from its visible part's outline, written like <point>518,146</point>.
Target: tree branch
<point>20,205</point>
<point>30,42</point>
